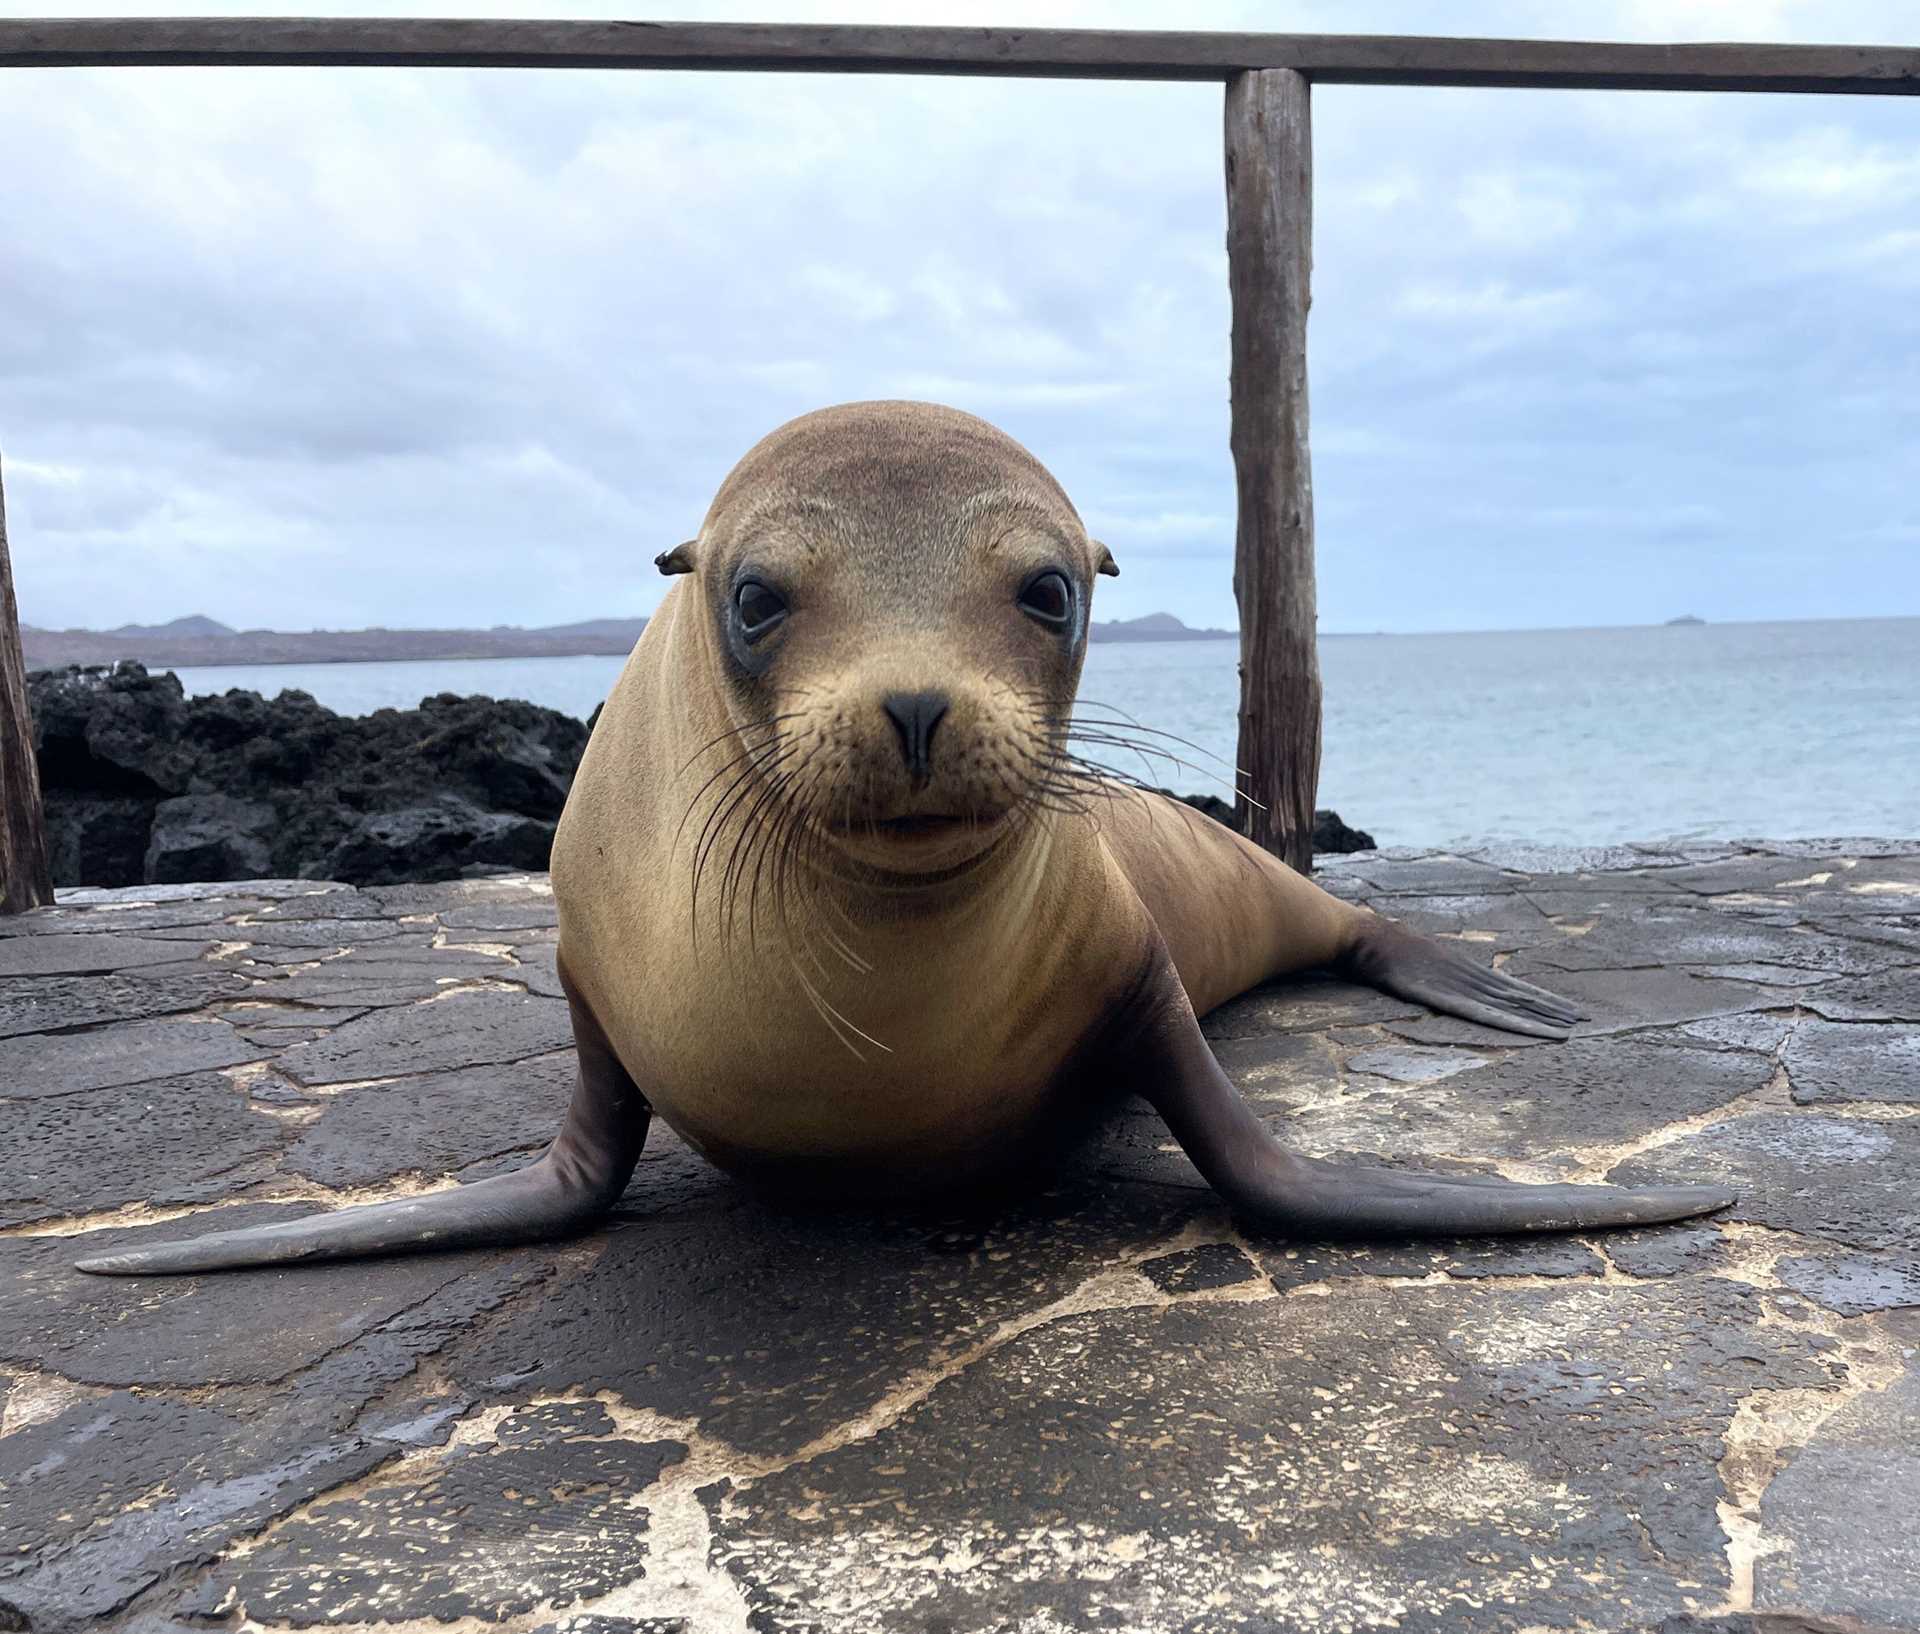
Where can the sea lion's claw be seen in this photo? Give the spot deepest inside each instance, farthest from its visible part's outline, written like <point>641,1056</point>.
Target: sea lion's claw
<point>1415,967</point>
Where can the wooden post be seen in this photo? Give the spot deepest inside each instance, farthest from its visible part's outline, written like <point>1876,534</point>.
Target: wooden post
<point>1269,259</point>
<point>24,878</point>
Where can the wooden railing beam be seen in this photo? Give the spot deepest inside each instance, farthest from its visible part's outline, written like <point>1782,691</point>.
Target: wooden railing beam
<point>1269,154</point>
<point>1070,53</point>
<point>24,878</point>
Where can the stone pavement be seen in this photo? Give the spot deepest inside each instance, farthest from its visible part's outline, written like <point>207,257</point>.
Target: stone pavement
<point>1099,1407</point>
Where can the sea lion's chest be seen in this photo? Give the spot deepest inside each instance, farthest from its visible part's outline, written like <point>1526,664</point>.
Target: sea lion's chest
<point>925,1066</point>
<point>893,1055</point>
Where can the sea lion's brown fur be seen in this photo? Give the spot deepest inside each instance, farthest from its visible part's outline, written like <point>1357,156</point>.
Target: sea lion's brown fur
<point>840,949</point>
<point>907,531</point>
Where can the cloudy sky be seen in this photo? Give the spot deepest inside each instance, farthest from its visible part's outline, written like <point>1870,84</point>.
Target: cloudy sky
<point>330,348</point>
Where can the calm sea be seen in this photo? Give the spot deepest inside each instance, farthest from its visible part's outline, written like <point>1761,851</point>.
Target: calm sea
<point>1558,736</point>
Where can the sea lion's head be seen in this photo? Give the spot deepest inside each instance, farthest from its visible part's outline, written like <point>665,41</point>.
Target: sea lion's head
<point>897,595</point>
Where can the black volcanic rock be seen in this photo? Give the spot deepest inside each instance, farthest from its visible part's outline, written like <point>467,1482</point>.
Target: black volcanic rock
<point>1331,836</point>
<point>1221,811</point>
<point>116,731</point>
<point>96,841</point>
<point>143,784</point>
<point>439,839</point>
<point>209,836</point>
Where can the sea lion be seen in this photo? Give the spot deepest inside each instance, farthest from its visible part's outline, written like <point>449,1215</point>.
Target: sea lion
<point>838,901</point>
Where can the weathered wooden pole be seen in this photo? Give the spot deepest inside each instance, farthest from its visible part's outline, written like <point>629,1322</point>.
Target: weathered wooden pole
<point>24,879</point>
<point>1269,260</point>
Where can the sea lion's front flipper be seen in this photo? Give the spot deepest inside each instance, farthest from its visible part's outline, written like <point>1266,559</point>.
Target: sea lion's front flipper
<point>569,1186</point>
<point>1168,1062</point>
<point>1411,966</point>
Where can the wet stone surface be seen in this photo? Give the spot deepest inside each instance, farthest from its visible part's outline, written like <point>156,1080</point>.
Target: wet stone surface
<point>1855,1061</point>
<point>486,1532</point>
<point>1096,1404</point>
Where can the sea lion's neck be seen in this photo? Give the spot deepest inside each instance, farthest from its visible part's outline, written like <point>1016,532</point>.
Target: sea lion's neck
<point>1006,876</point>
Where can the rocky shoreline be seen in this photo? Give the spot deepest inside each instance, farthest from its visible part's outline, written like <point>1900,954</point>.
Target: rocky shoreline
<point>144,785</point>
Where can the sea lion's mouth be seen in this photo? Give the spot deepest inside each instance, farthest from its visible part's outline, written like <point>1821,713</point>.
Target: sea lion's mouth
<point>918,835</point>
<point>924,826</point>
<point>922,844</point>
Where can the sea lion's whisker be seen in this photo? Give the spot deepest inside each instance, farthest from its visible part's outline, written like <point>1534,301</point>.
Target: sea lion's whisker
<point>834,1019</point>
<point>1128,730</point>
<point>753,827</point>
<point>1083,705</point>
<point>750,843</point>
<point>1048,787</point>
<point>777,841</point>
<point>785,830</point>
<point>724,802</point>
<point>795,837</point>
<point>738,732</point>
<point>852,959</point>
<point>1111,780</point>
<point>725,805</point>
<point>808,855</point>
<point>728,803</point>
<point>1117,733</point>
<point>1147,756</point>
<point>746,757</point>
<point>1148,753</point>
<point>710,831</point>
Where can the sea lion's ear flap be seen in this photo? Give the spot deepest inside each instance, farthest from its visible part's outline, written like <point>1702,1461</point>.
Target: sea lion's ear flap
<point>1107,565</point>
<point>676,560</point>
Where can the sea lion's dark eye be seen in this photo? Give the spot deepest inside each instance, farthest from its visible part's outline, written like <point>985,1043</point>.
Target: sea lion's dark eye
<point>1049,598</point>
<point>757,608</point>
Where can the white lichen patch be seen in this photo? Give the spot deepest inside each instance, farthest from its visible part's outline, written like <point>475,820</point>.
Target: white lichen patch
<point>279,1189</point>
<point>1594,1163</point>
<point>1477,1487</point>
<point>450,986</point>
<point>456,940</point>
<point>681,1578</point>
<point>37,1398</point>
<point>1769,1424</point>
<point>1413,1064</point>
<point>1552,1330</point>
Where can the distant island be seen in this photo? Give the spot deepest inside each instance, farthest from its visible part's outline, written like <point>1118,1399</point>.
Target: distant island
<point>198,640</point>
<point>1687,618</point>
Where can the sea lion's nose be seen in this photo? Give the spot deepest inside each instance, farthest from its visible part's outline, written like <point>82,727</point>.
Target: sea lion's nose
<point>915,715</point>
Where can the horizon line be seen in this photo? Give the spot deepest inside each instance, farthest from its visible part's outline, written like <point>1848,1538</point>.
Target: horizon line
<point>1220,632</point>
<point>1658,624</point>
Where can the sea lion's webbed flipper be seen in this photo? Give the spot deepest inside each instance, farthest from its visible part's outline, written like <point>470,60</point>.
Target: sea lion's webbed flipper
<point>570,1185</point>
<point>1168,1062</point>
<point>1411,966</point>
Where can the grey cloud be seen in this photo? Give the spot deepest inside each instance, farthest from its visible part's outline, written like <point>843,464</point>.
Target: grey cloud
<point>302,347</point>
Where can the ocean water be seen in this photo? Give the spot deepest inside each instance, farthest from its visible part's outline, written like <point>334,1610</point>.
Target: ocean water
<point>1580,737</point>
